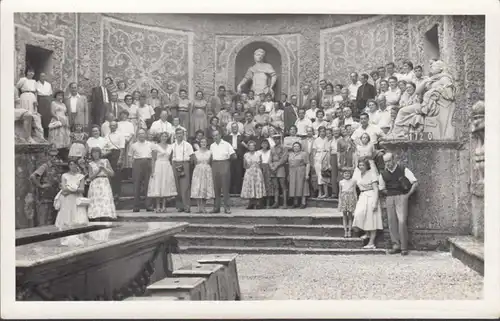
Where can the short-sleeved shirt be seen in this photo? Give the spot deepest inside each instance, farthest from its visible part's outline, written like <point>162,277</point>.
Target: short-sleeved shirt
<point>181,152</point>
<point>372,130</point>
<point>221,151</point>
<point>115,140</point>
<point>140,150</point>
<point>302,125</point>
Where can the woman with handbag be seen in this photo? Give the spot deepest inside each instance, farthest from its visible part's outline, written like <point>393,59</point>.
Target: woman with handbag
<point>102,205</point>
<point>59,133</point>
<point>70,203</point>
<point>321,157</point>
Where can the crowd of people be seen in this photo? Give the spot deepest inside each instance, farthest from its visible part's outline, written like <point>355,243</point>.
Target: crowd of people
<point>274,152</point>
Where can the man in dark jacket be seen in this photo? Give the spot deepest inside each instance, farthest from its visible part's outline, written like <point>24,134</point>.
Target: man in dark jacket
<point>237,141</point>
<point>365,91</point>
<point>100,102</point>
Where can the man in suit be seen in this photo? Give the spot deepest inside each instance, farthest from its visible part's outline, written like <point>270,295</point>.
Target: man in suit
<point>290,113</point>
<point>237,142</point>
<point>306,97</point>
<point>77,107</point>
<point>365,91</point>
<point>100,102</point>
<point>321,90</point>
<point>218,101</point>
<point>114,105</point>
<point>170,101</point>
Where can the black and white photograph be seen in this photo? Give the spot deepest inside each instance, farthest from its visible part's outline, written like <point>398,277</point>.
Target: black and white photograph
<point>218,156</point>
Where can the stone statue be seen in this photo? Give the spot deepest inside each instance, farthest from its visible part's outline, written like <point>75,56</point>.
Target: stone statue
<point>28,125</point>
<point>435,112</point>
<point>261,74</point>
<point>478,142</point>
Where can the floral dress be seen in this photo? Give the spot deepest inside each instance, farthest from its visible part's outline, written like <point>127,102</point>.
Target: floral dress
<point>253,181</point>
<point>59,135</point>
<point>202,185</point>
<point>78,149</point>
<point>100,193</point>
<point>348,196</point>
<point>162,182</point>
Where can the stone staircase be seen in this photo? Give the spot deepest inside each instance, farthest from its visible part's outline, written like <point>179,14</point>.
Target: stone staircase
<point>316,229</point>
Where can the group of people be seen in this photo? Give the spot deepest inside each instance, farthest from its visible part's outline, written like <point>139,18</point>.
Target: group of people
<point>321,143</point>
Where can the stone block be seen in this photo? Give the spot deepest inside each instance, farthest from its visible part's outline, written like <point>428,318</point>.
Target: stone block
<point>231,274</point>
<point>182,288</point>
<point>214,275</point>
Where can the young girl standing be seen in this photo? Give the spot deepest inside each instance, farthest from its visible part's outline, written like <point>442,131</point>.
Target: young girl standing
<point>347,200</point>
<point>79,138</point>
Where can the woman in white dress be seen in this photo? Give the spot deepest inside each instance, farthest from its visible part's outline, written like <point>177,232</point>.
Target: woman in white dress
<point>202,184</point>
<point>321,156</point>
<point>368,213</point>
<point>102,206</point>
<point>162,182</point>
<point>27,86</point>
<point>59,133</point>
<point>72,188</point>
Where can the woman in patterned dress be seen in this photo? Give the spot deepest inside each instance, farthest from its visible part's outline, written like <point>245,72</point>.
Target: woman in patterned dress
<point>102,206</point>
<point>59,133</point>
<point>253,187</point>
<point>199,114</point>
<point>202,184</point>
<point>162,182</point>
<point>299,168</point>
<point>265,153</point>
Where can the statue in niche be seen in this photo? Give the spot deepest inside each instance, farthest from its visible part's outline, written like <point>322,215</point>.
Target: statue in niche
<point>261,74</point>
<point>478,145</point>
<point>27,124</point>
<point>434,114</point>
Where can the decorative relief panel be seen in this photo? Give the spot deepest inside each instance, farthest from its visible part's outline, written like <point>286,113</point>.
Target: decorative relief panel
<point>146,57</point>
<point>50,25</point>
<point>418,26</point>
<point>89,51</point>
<point>228,47</point>
<point>360,46</point>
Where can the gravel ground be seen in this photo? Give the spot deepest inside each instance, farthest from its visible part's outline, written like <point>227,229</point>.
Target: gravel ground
<point>418,276</point>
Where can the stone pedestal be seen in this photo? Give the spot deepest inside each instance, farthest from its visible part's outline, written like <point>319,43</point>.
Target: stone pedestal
<point>440,207</point>
<point>30,210</point>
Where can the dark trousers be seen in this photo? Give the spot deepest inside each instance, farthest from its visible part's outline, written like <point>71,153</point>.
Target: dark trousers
<point>221,171</point>
<point>115,181</point>
<point>141,172</point>
<point>237,175</point>
<point>335,171</point>
<point>182,183</point>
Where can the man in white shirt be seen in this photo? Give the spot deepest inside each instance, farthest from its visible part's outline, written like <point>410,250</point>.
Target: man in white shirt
<point>162,125</point>
<point>347,118</point>
<point>115,143</point>
<point>114,105</point>
<point>181,162</point>
<point>302,123</point>
<point>373,131</point>
<point>398,183</point>
<point>127,130</point>
<point>44,98</point>
<point>176,124</point>
<point>311,113</point>
<point>105,129</point>
<point>353,86</point>
<point>419,77</point>
<point>142,154</point>
<point>77,107</point>
<point>241,128</point>
<point>382,117</point>
<point>222,153</point>
<point>391,71</point>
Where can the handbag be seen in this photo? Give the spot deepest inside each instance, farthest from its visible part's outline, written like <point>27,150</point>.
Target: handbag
<point>57,201</point>
<point>82,201</point>
<point>55,124</point>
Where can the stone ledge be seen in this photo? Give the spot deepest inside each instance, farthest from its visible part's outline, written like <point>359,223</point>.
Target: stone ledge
<point>469,250</point>
<point>399,143</point>
<point>31,148</point>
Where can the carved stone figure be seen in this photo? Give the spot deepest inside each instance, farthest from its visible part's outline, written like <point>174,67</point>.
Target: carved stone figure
<point>261,74</point>
<point>478,145</point>
<point>435,112</point>
<point>28,125</point>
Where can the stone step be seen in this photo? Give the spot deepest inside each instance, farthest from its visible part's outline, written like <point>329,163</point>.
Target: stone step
<point>240,217</point>
<point>469,250</point>
<point>269,241</point>
<point>204,249</point>
<point>266,229</point>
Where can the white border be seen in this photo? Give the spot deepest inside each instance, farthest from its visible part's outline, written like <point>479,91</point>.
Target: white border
<point>488,307</point>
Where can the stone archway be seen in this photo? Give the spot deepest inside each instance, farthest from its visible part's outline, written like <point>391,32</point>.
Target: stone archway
<point>283,73</point>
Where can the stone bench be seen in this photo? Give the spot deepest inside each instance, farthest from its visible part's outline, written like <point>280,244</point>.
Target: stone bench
<point>182,288</point>
<point>214,275</point>
<point>233,285</point>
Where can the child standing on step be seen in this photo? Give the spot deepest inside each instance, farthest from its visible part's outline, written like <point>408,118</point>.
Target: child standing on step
<point>347,200</point>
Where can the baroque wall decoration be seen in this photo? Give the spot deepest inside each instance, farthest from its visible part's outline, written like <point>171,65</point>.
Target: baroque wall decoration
<point>418,26</point>
<point>89,49</point>
<point>147,57</point>
<point>360,46</point>
<point>228,47</point>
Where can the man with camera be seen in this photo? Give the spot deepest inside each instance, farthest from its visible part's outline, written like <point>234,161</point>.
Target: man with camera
<point>181,161</point>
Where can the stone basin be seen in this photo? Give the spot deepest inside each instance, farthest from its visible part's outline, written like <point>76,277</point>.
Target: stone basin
<point>99,261</point>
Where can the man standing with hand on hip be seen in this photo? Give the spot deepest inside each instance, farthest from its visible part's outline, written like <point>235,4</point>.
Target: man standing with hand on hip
<point>398,183</point>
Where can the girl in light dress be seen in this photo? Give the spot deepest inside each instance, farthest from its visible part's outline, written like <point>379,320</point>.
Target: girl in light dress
<point>102,206</point>
<point>79,138</point>
<point>368,213</point>
<point>253,187</point>
<point>202,184</point>
<point>162,182</point>
<point>265,153</point>
<point>347,200</point>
